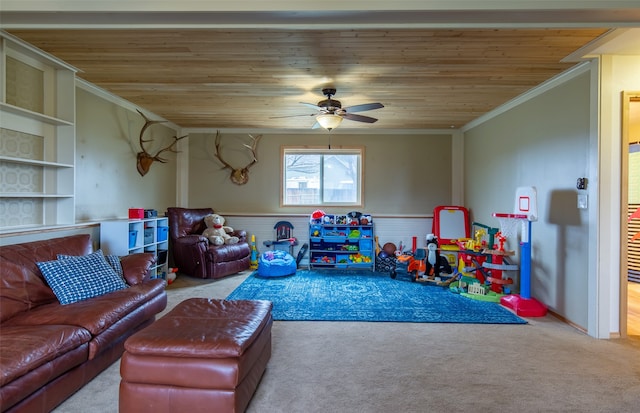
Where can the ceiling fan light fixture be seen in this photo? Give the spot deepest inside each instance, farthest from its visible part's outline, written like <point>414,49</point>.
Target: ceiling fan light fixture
<point>329,121</point>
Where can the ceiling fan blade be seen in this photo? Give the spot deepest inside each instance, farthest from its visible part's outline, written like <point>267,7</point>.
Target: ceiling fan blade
<point>359,118</point>
<point>292,116</point>
<point>311,105</point>
<point>363,107</point>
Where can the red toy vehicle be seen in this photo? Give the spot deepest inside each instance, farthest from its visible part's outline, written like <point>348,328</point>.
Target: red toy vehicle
<point>417,267</point>
<point>413,265</point>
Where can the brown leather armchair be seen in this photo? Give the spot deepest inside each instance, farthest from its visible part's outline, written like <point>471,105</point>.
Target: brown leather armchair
<point>192,253</point>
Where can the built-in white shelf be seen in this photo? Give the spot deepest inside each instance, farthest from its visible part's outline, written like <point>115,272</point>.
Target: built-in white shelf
<point>16,110</point>
<point>33,195</point>
<point>34,162</point>
<point>37,136</point>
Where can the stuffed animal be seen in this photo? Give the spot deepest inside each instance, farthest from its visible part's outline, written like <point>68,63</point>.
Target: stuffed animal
<point>436,264</point>
<point>433,256</point>
<point>217,233</point>
<point>317,216</point>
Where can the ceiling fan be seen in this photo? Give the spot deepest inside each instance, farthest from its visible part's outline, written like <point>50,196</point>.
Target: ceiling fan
<point>331,111</point>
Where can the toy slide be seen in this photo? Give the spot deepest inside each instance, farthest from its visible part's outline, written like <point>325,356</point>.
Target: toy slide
<point>500,281</point>
<point>302,252</point>
<point>500,267</point>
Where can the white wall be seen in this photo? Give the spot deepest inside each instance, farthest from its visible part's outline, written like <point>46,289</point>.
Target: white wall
<point>107,182</point>
<point>542,142</point>
<point>403,175</point>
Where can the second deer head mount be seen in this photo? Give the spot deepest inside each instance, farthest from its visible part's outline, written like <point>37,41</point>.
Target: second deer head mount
<point>239,176</point>
<point>144,158</point>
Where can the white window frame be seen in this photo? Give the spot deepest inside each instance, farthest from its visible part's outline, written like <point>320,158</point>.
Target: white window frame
<point>323,150</point>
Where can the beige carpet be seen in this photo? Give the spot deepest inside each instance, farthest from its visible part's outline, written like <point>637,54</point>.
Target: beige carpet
<point>545,366</point>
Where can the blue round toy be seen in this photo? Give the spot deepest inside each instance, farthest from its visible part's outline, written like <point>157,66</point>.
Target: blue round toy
<point>276,263</point>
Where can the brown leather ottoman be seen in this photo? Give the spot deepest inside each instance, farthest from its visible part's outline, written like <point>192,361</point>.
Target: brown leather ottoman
<point>205,355</point>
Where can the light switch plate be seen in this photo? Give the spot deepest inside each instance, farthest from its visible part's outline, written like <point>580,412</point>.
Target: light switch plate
<point>582,201</point>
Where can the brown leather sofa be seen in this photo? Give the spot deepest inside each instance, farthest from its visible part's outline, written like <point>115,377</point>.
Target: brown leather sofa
<point>192,253</point>
<point>47,350</point>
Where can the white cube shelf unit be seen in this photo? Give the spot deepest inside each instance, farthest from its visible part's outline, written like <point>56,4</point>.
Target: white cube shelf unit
<point>129,236</point>
<point>37,137</point>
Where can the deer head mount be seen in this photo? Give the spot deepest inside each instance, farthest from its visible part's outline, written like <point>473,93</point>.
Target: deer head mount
<point>144,158</point>
<point>239,176</point>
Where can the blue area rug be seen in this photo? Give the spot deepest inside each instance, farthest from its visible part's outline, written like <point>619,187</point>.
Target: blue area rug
<point>367,296</point>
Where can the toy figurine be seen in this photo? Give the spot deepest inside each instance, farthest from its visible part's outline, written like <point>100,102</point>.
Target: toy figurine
<point>254,254</point>
<point>501,240</point>
<point>171,276</point>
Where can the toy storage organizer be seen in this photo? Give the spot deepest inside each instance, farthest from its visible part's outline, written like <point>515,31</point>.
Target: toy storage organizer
<point>341,246</point>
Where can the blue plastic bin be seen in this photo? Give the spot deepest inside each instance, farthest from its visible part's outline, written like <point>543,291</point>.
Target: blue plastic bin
<point>148,236</point>
<point>366,245</point>
<point>163,233</point>
<point>133,235</point>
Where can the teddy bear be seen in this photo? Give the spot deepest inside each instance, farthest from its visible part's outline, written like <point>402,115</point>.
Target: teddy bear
<point>217,233</point>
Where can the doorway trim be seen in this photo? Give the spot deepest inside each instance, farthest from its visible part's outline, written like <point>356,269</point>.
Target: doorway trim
<point>627,98</point>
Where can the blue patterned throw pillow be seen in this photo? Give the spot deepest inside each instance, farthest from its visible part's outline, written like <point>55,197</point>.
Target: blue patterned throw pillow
<point>79,278</point>
<point>112,260</point>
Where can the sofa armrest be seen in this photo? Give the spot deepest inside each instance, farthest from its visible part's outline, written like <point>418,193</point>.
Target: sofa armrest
<point>189,253</point>
<point>190,240</point>
<point>136,267</point>
<point>241,234</point>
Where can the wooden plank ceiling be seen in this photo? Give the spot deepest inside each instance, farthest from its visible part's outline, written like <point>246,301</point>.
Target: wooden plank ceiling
<point>242,78</point>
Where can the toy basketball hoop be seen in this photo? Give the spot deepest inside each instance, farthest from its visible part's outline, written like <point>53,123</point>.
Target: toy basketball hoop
<point>510,224</point>
<point>525,212</point>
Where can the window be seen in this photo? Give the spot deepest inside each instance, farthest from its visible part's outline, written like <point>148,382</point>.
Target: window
<point>322,176</point>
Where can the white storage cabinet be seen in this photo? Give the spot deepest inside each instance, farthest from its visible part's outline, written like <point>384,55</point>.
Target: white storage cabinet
<point>129,236</point>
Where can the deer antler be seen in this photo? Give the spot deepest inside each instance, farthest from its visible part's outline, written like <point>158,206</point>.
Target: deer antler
<point>239,176</point>
<point>144,158</point>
